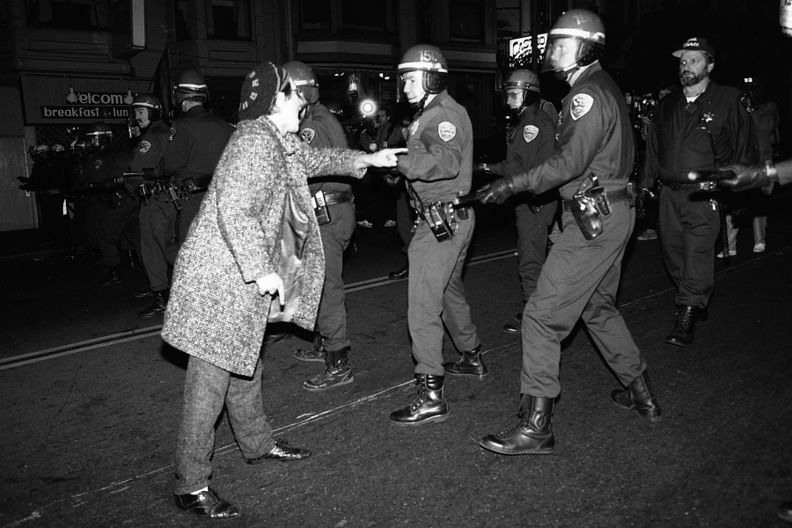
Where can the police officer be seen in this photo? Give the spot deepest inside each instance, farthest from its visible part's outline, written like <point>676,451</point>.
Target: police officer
<point>196,141</point>
<point>700,127</point>
<point>581,275</point>
<point>335,210</point>
<point>111,212</point>
<point>529,142</point>
<point>157,213</point>
<point>438,166</point>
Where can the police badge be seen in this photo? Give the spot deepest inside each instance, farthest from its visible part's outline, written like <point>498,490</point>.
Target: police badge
<point>145,146</point>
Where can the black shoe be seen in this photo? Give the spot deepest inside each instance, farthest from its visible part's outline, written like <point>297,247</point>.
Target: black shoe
<point>207,504</point>
<point>157,306</point>
<point>429,405</point>
<point>639,397</point>
<point>111,278</point>
<point>337,373</point>
<point>685,320</point>
<point>785,511</point>
<point>282,452</point>
<point>400,273</point>
<point>532,435</point>
<point>470,364</point>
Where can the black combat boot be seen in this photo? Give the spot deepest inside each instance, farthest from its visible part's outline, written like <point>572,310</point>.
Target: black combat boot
<point>470,364</point>
<point>111,277</point>
<point>639,397</point>
<point>685,320</point>
<point>532,435</point>
<point>337,372</point>
<point>158,305</point>
<point>428,406</point>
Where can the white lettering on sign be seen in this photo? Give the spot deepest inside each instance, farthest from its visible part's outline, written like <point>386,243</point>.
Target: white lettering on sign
<point>91,98</point>
<point>521,49</point>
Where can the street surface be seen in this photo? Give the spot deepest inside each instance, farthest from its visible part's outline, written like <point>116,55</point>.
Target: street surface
<point>89,422</point>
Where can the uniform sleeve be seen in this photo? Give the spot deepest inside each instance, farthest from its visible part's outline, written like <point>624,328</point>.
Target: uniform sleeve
<point>176,149</point>
<point>149,152</point>
<point>436,154</point>
<point>250,199</point>
<point>580,136</point>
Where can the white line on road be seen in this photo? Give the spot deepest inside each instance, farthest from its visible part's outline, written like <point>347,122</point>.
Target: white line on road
<point>151,331</point>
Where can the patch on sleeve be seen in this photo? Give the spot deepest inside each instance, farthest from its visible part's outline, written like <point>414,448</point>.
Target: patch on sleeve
<point>581,104</point>
<point>307,134</point>
<point>446,130</point>
<point>172,134</point>
<point>529,133</point>
<point>145,146</point>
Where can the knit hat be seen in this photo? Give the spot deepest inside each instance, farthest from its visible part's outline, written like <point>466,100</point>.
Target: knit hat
<point>695,44</point>
<point>259,90</point>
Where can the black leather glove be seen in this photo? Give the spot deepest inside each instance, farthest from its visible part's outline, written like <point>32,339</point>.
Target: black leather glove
<point>497,192</point>
<point>746,177</point>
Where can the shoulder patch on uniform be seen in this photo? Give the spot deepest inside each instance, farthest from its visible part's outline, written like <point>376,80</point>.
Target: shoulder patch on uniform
<point>145,146</point>
<point>446,130</point>
<point>307,134</point>
<point>530,132</point>
<point>172,134</point>
<point>581,104</point>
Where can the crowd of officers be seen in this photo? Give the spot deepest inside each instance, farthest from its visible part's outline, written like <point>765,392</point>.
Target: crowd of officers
<point>567,171</point>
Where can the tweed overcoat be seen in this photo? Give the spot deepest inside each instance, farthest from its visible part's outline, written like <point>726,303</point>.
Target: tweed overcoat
<point>215,311</point>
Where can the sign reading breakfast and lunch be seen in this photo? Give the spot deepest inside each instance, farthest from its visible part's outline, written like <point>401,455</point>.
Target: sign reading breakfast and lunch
<point>61,100</point>
<point>89,105</point>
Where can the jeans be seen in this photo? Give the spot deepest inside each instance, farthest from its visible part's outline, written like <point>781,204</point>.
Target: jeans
<point>207,389</point>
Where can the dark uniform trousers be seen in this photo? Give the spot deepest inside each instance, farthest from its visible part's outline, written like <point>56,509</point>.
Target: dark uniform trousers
<point>579,280</point>
<point>117,223</point>
<point>158,239</point>
<point>689,228</point>
<point>331,321</point>
<point>532,243</point>
<point>405,217</point>
<point>437,295</point>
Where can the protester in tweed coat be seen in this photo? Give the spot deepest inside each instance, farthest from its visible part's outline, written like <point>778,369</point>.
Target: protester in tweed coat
<point>226,274</point>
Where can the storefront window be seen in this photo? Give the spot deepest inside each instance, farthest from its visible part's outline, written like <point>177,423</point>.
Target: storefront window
<point>364,15</point>
<point>467,20</point>
<point>180,14</point>
<point>315,15</point>
<point>71,14</point>
<point>228,19</point>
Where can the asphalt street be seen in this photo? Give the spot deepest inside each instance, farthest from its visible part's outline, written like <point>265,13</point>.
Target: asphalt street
<point>91,400</point>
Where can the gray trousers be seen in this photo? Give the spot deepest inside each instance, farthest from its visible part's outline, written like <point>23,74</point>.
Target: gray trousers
<point>331,322</point>
<point>436,296</point>
<point>532,243</point>
<point>580,279</point>
<point>207,389</point>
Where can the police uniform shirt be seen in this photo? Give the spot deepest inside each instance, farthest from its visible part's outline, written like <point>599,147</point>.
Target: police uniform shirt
<point>528,143</point>
<point>594,136</point>
<point>683,134</point>
<point>321,129</point>
<point>439,160</point>
<point>197,140</point>
<point>150,149</point>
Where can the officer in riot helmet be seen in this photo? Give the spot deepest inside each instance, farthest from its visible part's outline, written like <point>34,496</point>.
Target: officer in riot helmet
<point>335,212</point>
<point>530,141</point>
<point>110,210</point>
<point>590,167</point>
<point>437,168</point>
<point>196,140</point>
<point>157,212</point>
